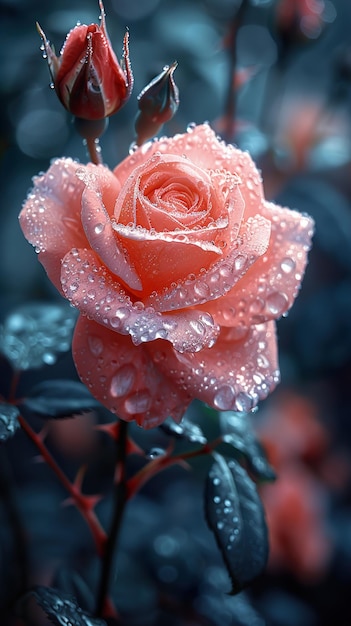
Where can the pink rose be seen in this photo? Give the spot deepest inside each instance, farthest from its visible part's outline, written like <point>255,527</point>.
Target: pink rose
<point>179,268</point>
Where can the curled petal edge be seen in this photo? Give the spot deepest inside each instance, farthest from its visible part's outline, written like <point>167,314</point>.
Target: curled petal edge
<point>90,288</point>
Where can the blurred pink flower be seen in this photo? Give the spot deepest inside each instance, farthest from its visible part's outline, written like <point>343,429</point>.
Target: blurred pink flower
<point>179,268</point>
<point>298,446</point>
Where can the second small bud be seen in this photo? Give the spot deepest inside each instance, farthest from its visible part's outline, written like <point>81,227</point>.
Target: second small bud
<point>157,104</point>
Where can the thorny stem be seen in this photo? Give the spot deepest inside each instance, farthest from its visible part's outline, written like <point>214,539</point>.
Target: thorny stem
<point>120,501</point>
<point>163,462</point>
<point>80,501</point>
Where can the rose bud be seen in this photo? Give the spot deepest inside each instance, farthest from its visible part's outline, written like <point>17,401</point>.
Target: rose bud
<point>157,103</point>
<point>87,76</point>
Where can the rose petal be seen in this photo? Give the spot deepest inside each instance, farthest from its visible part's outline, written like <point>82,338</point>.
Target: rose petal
<point>94,292</point>
<point>50,218</point>
<point>162,258</point>
<point>270,286</point>
<point>100,234</point>
<point>202,146</point>
<point>124,378</point>
<point>172,183</point>
<point>219,279</point>
<point>237,372</point>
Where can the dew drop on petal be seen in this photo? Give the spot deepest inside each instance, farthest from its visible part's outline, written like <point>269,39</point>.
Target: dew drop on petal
<point>277,302</point>
<point>138,402</point>
<point>288,265</point>
<point>262,361</point>
<point>201,289</point>
<point>243,402</point>
<point>123,381</point>
<point>122,313</point>
<point>198,327</point>
<point>115,322</point>
<point>99,228</point>
<point>239,262</point>
<point>96,345</point>
<point>224,397</point>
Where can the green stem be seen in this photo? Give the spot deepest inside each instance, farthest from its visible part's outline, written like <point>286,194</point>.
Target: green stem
<point>94,150</point>
<point>120,501</point>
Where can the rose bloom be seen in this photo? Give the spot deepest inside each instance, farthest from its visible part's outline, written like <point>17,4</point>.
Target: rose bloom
<point>179,268</point>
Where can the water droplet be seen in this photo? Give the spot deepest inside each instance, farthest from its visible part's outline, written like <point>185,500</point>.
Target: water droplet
<point>201,289</point>
<point>239,262</point>
<point>156,452</point>
<point>123,381</point>
<point>262,361</point>
<point>288,265</point>
<point>99,228</point>
<point>49,358</point>
<point>96,345</point>
<point>198,327</point>
<point>139,402</point>
<point>115,322</point>
<point>224,397</point>
<point>122,313</point>
<point>277,302</point>
<point>216,499</point>
<point>243,402</point>
<point>220,525</point>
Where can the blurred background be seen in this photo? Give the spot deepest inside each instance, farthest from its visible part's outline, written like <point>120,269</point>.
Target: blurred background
<point>274,77</point>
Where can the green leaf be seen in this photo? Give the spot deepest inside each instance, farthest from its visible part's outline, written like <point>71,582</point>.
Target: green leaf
<point>62,609</point>
<point>237,431</point>
<point>235,515</point>
<point>56,399</point>
<point>34,335</point>
<point>8,421</point>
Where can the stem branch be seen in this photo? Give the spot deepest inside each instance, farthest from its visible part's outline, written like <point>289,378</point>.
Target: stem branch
<point>80,501</point>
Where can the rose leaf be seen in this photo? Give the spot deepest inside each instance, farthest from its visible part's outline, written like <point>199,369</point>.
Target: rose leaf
<point>61,608</point>
<point>56,399</point>
<point>8,421</point>
<point>237,431</point>
<point>185,430</point>
<point>33,335</point>
<point>235,514</point>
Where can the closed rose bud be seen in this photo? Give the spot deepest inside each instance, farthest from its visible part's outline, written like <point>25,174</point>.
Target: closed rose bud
<point>157,104</point>
<point>88,79</point>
